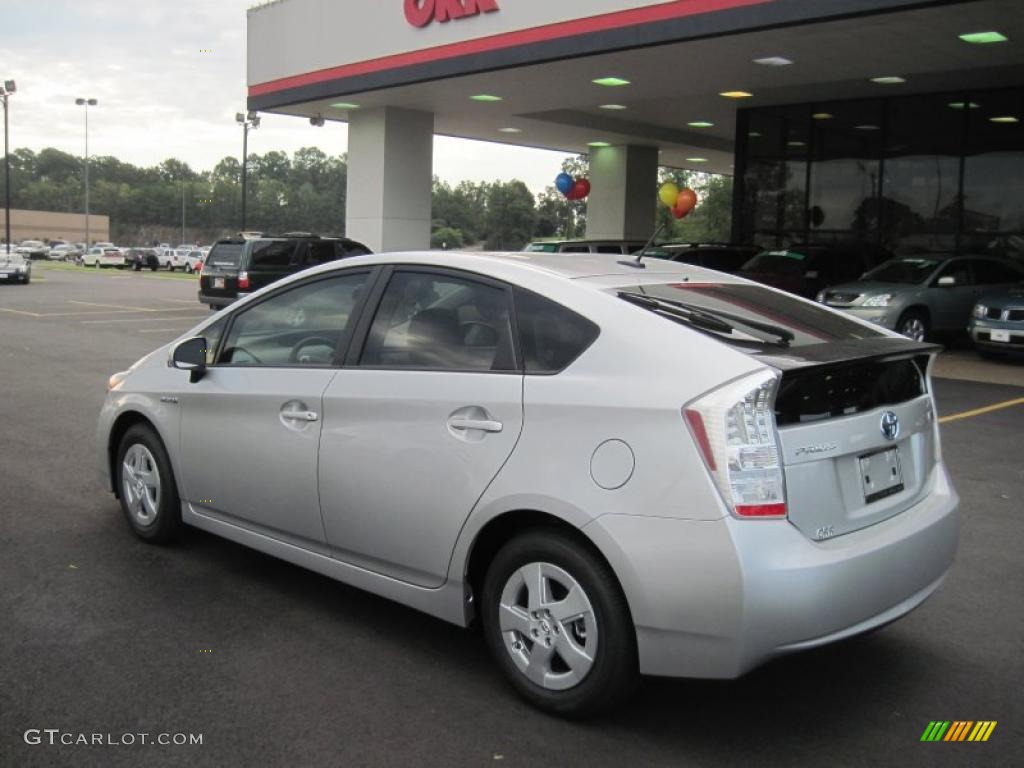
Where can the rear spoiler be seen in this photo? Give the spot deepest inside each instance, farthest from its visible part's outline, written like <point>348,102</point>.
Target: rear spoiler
<point>840,352</point>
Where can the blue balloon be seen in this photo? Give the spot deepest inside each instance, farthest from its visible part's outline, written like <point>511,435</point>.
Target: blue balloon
<point>564,183</point>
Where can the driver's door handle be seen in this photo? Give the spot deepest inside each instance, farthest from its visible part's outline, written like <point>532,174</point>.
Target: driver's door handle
<point>484,425</point>
<point>300,415</point>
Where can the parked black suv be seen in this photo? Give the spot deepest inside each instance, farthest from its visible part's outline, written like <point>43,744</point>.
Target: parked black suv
<point>142,258</point>
<point>236,267</point>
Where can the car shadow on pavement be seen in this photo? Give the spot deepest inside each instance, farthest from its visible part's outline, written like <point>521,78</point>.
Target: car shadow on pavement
<point>807,698</point>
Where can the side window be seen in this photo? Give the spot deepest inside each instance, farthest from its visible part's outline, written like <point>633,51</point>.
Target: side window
<point>270,254</point>
<point>609,249</point>
<point>303,326</point>
<point>957,269</point>
<point>320,252</point>
<point>988,272</point>
<point>436,322</point>
<point>551,336</point>
<point>576,249</point>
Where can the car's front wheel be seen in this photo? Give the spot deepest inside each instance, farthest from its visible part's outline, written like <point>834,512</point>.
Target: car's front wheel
<point>557,623</point>
<point>145,482</point>
<point>914,325</point>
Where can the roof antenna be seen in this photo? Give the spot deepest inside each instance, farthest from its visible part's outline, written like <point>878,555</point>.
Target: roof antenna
<point>638,263</point>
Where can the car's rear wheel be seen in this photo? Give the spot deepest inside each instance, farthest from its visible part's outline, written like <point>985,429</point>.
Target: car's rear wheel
<point>96,264</point>
<point>145,482</point>
<point>556,622</point>
<point>914,325</point>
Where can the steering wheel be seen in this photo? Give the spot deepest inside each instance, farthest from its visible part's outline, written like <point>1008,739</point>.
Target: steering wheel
<point>309,341</point>
<point>243,350</point>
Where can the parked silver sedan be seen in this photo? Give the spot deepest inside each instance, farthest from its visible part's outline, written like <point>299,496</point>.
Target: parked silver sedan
<point>917,295</point>
<point>615,469</point>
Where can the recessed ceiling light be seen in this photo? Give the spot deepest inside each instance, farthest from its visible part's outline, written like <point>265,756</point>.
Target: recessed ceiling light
<point>611,82</point>
<point>598,144</point>
<point>485,97</point>
<point>696,159</point>
<point>963,105</point>
<point>510,130</point>
<point>822,115</point>
<point>613,106</point>
<point>701,124</point>
<point>796,143</point>
<point>867,127</point>
<point>344,105</point>
<point>774,61</point>
<point>1005,119</point>
<point>736,94</point>
<point>983,37</point>
<point>888,80</point>
<point>754,135</point>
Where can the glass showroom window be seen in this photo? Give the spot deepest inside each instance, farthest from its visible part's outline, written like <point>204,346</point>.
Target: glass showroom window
<point>993,213</point>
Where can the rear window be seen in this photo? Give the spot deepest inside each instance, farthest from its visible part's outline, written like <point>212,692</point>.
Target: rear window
<point>749,315</point>
<point>225,254</point>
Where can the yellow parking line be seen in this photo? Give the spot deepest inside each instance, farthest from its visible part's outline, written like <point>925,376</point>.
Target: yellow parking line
<point>982,411</point>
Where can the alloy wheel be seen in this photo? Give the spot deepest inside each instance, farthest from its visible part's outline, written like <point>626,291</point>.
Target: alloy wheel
<point>548,626</point>
<point>140,484</point>
<point>913,328</point>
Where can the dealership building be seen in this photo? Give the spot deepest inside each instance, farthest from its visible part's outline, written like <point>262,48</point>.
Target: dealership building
<point>893,123</point>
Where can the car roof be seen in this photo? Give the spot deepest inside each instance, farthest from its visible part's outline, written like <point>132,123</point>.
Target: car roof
<point>607,268</point>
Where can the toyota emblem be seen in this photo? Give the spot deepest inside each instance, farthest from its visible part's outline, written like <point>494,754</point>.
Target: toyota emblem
<point>890,425</point>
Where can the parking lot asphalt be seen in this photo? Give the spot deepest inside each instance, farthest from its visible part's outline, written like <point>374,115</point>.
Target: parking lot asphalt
<point>274,665</point>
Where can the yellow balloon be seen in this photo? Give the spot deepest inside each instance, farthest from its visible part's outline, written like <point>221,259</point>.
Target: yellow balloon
<point>668,194</point>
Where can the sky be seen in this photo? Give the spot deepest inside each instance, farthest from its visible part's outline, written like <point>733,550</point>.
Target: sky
<point>161,96</point>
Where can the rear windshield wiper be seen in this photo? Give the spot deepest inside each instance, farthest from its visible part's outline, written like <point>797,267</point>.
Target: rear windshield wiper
<point>713,320</point>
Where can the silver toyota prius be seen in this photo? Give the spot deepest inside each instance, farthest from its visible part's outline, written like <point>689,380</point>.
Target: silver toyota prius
<point>613,467</point>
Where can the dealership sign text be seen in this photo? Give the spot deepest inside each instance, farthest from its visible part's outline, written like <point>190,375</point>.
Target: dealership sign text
<point>421,13</point>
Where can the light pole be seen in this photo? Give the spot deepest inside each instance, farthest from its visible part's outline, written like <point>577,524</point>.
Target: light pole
<point>8,88</point>
<point>247,121</point>
<point>86,103</point>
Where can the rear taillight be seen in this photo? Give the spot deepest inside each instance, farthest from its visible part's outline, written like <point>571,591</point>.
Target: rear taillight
<point>243,281</point>
<point>734,428</point>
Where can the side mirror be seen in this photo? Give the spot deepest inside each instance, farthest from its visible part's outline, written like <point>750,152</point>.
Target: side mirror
<point>190,355</point>
<point>946,281</point>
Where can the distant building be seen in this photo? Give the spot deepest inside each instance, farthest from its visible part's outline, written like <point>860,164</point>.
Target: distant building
<point>48,225</point>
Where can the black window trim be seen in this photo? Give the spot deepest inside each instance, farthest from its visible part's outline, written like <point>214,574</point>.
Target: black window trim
<point>362,333</point>
<point>373,273</point>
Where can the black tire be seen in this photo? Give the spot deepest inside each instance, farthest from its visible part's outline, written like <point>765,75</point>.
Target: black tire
<point>137,267</point>
<point>913,322</point>
<point>615,670</point>
<point>154,268</point>
<point>167,524</point>
<point>27,279</point>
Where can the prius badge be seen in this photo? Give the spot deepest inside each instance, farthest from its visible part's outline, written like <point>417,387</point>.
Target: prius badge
<point>890,425</point>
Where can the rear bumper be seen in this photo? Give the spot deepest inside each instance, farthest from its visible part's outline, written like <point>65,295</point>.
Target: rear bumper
<point>216,301</point>
<point>716,599</point>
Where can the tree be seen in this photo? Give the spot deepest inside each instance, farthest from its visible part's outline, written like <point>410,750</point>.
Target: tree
<point>511,216</point>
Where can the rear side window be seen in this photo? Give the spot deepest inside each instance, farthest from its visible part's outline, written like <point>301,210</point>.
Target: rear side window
<point>320,252</point>
<point>609,249</point>
<point>551,336</point>
<point>225,254</point>
<point>348,248</point>
<point>268,254</point>
<point>577,249</point>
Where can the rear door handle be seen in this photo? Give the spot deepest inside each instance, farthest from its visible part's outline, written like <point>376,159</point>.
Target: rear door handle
<point>300,415</point>
<point>484,425</point>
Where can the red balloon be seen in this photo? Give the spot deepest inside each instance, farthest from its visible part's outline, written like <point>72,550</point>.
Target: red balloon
<point>685,204</point>
<point>584,187</point>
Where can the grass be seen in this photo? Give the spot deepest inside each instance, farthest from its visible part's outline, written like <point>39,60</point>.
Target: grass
<point>60,266</point>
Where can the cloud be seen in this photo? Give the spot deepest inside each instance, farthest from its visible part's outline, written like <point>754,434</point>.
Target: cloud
<point>169,77</point>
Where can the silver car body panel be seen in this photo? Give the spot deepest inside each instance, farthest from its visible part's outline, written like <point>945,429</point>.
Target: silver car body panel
<point>710,595</point>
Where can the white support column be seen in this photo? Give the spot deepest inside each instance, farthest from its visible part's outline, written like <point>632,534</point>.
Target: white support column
<point>390,172</point>
<point>624,193</point>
